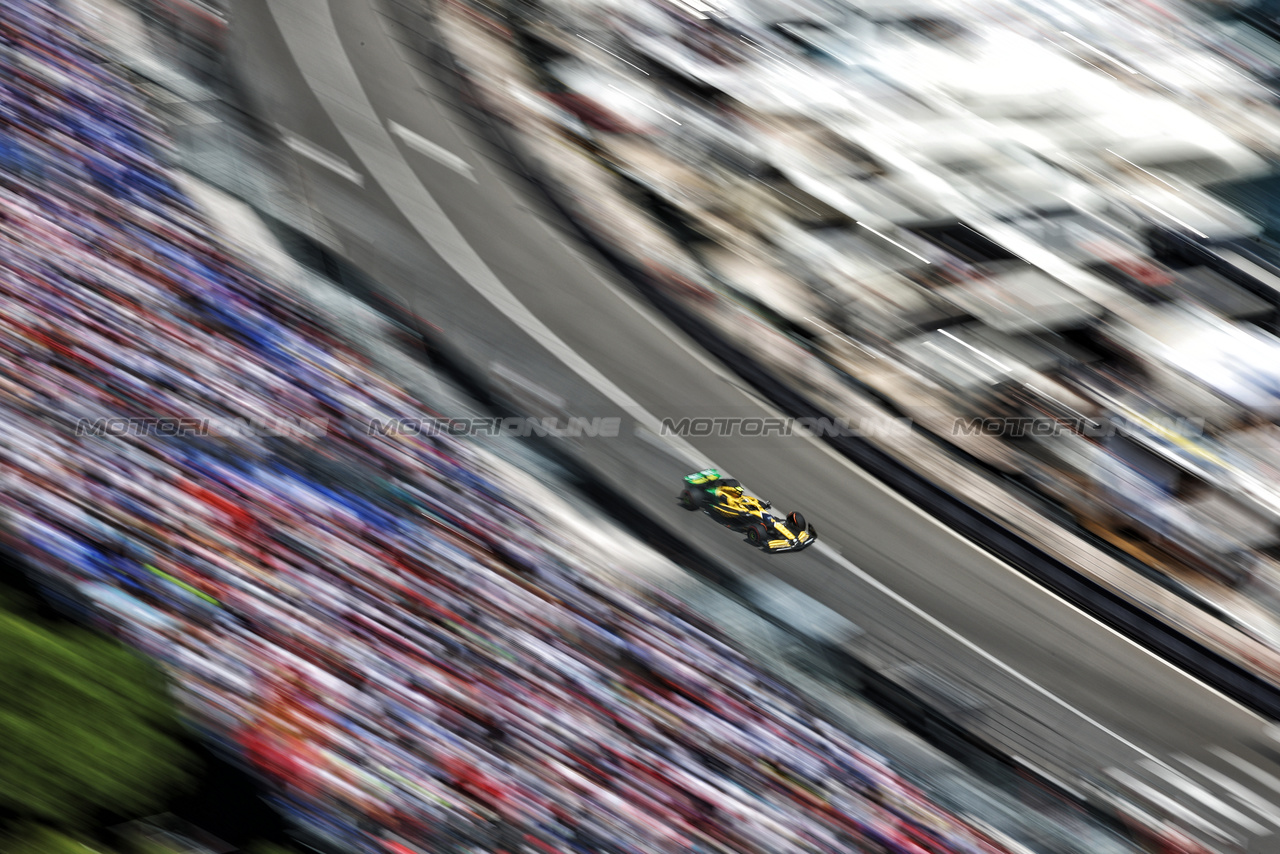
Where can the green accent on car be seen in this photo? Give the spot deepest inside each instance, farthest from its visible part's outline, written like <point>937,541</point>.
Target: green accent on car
<point>702,477</point>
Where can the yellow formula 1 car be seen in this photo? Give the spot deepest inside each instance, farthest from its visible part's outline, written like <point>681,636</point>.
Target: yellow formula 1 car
<point>725,500</point>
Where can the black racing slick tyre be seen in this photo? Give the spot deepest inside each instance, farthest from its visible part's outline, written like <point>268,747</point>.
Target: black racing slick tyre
<point>756,534</point>
<point>687,502</point>
<point>795,523</point>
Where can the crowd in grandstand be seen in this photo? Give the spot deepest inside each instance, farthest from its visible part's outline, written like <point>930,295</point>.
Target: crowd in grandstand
<point>370,620</point>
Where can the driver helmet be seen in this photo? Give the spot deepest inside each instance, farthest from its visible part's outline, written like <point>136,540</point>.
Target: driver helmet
<point>732,491</point>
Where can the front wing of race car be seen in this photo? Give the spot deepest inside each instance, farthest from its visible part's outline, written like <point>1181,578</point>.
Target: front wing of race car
<point>803,540</point>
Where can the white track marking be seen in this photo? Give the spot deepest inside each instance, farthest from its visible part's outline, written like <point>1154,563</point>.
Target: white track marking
<point>838,559</point>
<point>1184,784</point>
<point>316,154</point>
<point>1168,804</point>
<point>439,153</point>
<point>1245,795</point>
<point>1263,777</point>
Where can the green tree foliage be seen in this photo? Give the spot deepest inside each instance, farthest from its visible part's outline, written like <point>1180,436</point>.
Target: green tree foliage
<point>34,839</point>
<point>85,725</point>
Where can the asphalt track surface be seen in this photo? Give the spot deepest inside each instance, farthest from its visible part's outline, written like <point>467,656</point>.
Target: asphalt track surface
<point>418,202</point>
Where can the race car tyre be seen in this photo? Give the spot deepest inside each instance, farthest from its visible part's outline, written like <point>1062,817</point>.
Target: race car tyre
<point>687,502</point>
<point>795,522</point>
<point>756,534</point>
